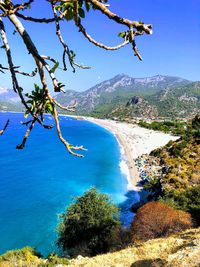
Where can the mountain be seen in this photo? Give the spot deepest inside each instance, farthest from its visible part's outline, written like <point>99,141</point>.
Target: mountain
<point>161,96</point>
<point>136,107</point>
<point>101,99</point>
<point>9,100</point>
<point>181,101</point>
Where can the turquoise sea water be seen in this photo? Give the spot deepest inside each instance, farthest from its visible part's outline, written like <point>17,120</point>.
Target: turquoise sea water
<point>37,183</point>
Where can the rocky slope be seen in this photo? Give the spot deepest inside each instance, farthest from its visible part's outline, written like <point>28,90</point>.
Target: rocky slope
<point>136,107</point>
<point>180,101</point>
<point>106,96</point>
<point>180,250</point>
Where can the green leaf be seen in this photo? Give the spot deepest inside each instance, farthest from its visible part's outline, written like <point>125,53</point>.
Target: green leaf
<point>87,6</point>
<point>122,34</point>
<point>55,67</point>
<point>69,15</point>
<point>81,13</point>
<point>80,2</point>
<point>26,114</point>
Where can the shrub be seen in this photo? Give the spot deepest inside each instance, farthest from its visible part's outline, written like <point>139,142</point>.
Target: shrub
<point>189,201</point>
<point>90,225</point>
<point>156,219</point>
<point>54,260</point>
<point>26,256</point>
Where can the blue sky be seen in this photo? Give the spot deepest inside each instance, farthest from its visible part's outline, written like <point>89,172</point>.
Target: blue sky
<point>173,49</point>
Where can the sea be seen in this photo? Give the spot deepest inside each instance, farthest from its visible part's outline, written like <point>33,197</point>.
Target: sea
<point>39,182</point>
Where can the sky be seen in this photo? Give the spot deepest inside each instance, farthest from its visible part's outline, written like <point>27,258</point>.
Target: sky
<point>173,49</point>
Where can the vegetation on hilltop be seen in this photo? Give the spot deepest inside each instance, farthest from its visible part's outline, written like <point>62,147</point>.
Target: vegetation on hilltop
<point>179,183</point>
<point>26,256</point>
<point>181,159</point>
<point>174,127</point>
<point>29,257</point>
<point>177,101</point>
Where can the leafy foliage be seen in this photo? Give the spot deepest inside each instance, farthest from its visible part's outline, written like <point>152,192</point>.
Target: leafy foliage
<point>188,201</point>
<point>175,127</point>
<point>29,257</point>
<point>156,219</point>
<point>26,256</point>
<point>35,99</point>
<point>90,225</point>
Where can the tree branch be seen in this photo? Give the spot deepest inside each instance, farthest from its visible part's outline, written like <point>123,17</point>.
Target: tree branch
<point>134,24</point>
<point>4,128</point>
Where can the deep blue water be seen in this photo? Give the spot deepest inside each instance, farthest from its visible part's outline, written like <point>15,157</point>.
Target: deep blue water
<point>37,183</point>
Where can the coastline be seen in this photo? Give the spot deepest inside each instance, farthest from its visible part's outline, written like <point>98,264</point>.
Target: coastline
<point>135,141</point>
<point>133,175</point>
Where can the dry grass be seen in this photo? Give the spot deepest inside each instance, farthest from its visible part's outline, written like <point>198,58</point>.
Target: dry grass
<point>180,250</point>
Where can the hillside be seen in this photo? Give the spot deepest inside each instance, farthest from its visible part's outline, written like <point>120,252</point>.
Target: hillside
<point>180,159</point>
<point>175,251</point>
<point>181,101</point>
<point>161,96</point>
<point>9,100</point>
<point>101,99</point>
<point>180,250</point>
<point>136,107</point>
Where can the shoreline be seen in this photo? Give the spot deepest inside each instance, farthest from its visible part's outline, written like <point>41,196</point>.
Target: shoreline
<point>133,176</point>
<point>135,141</point>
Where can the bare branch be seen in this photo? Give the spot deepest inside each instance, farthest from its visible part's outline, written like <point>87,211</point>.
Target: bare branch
<point>11,65</point>
<point>71,108</point>
<point>4,128</point>
<point>65,46</point>
<point>41,100</point>
<point>49,58</point>
<point>134,24</point>
<point>22,145</point>
<point>23,6</point>
<point>69,147</point>
<point>135,49</point>
<point>43,20</point>
<point>16,86</point>
<point>32,74</point>
<point>90,39</point>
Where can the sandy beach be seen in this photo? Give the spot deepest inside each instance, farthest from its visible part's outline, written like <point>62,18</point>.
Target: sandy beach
<point>135,141</point>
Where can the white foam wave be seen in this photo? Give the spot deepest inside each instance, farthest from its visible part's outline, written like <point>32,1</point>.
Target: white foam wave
<point>125,170</point>
<point>124,165</point>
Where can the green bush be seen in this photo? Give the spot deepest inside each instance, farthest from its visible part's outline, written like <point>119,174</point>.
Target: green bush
<point>188,201</point>
<point>26,256</point>
<point>90,225</point>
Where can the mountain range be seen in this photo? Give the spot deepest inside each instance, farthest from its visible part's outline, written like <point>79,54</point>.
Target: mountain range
<point>9,100</point>
<point>158,96</point>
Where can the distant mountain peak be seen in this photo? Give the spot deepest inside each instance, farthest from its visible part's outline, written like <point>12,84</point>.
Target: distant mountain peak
<point>3,90</point>
<point>8,95</point>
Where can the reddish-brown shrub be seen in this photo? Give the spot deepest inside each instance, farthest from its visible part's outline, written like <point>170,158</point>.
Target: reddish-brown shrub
<point>156,219</point>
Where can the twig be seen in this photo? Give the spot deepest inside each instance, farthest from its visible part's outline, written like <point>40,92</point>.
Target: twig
<point>5,127</point>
